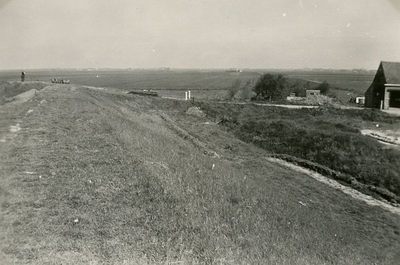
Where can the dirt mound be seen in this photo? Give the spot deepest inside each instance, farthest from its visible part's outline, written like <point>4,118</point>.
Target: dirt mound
<point>11,89</point>
<point>315,100</point>
<point>14,91</point>
<point>195,111</point>
<point>319,100</point>
<point>24,97</point>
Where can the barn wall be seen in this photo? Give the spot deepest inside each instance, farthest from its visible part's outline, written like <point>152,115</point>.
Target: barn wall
<point>369,97</point>
<point>374,95</point>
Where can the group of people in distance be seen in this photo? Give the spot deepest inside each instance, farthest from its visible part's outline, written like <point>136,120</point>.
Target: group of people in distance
<point>53,80</point>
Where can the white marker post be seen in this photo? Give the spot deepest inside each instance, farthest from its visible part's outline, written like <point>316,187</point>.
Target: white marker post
<point>189,93</point>
<point>186,95</point>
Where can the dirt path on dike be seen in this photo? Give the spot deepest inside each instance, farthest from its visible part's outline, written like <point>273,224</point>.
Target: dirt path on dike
<point>336,185</point>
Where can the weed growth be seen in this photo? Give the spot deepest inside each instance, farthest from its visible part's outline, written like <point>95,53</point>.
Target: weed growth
<point>327,136</point>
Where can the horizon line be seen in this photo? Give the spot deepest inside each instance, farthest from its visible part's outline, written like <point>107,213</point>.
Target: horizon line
<point>183,68</point>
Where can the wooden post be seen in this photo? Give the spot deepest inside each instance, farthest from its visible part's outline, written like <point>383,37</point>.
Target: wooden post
<point>386,99</point>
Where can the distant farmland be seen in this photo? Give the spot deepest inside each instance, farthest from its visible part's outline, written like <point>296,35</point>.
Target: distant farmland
<point>212,84</point>
<point>344,85</point>
<point>346,81</point>
<point>167,83</point>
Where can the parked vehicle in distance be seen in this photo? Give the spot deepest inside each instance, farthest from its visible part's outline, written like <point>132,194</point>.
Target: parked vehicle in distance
<point>60,81</point>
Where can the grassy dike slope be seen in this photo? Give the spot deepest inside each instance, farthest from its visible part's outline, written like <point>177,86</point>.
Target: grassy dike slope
<point>94,177</point>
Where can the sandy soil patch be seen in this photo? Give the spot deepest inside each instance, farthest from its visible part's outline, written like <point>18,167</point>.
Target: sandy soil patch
<point>15,128</point>
<point>195,111</point>
<point>385,136</point>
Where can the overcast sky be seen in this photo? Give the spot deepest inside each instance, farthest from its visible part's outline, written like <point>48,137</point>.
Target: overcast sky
<point>198,34</point>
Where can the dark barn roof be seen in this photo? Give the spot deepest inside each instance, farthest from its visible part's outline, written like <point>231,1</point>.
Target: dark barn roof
<point>387,73</point>
<point>391,71</point>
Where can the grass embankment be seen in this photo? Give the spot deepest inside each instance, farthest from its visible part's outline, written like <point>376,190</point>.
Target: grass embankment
<point>98,178</point>
<point>329,137</point>
<point>8,90</point>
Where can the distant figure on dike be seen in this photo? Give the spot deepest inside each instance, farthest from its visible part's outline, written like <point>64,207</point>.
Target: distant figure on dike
<point>23,76</point>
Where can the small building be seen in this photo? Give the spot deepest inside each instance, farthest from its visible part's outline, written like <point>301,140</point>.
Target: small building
<point>292,97</point>
<point>313,93</point>
<point>384,92</point>
<point>360,100</point>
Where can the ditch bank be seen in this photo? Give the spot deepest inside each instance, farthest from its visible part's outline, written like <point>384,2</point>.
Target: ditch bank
<point>344,182</point>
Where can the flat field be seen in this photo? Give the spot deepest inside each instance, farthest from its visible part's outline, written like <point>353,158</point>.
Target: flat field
<point>202,84</point>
